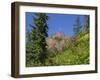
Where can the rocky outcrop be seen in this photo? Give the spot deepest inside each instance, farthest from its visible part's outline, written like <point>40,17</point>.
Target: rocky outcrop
<point>57,41</point>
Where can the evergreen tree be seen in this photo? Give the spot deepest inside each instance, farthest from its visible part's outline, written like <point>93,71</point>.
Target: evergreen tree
<point>37,50</point>
<point>86,24</point>
<point>77,26</point>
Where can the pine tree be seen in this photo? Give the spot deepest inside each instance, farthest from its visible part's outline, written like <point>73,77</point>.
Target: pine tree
<point>86,24</point>
<point>37,50</point>
<point>77,26</point>
<point>31,48</point>
<point>42,28</point>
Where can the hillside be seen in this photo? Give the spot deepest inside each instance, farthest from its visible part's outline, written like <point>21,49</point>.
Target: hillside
<point>73,53</point>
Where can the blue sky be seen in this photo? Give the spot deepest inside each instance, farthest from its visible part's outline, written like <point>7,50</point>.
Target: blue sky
<point>57,23</point>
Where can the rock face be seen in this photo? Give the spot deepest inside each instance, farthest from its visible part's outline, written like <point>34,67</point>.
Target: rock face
<point>57,42</point>
<point>58,35</point>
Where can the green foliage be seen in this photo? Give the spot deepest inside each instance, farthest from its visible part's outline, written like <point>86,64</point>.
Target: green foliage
<point>36,46</point>
<point>75,50</point>
<point>73,54</point>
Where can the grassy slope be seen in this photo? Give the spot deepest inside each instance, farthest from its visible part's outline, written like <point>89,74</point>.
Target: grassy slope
<point>78,54</point>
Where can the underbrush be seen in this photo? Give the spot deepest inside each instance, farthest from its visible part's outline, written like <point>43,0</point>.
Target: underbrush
<point>73,54</point>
